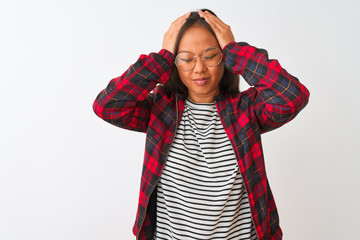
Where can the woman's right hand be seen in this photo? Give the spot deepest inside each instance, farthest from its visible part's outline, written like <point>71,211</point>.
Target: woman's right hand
<point>171,34</point>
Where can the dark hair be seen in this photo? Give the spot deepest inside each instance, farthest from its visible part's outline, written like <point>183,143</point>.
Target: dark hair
<point>229,82</point>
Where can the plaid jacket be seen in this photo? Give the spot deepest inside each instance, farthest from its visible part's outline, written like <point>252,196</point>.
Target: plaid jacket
<point>136,100</point>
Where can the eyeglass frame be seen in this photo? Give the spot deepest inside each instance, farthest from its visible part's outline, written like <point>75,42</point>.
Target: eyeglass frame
<point>202,58</point>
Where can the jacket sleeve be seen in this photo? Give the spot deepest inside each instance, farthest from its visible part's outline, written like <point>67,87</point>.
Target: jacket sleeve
<point>127,100</point>
<point>277,96</point>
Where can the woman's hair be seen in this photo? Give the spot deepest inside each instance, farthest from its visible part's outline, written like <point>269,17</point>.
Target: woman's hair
<point>229,82</point>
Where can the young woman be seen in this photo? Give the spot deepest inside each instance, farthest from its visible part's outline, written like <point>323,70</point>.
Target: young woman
<point>203,175</point>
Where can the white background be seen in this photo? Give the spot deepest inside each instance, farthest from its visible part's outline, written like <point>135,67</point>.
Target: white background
<point>67,174</point>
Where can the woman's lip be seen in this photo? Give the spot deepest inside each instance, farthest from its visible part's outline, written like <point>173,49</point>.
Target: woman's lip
<point>201,81</point>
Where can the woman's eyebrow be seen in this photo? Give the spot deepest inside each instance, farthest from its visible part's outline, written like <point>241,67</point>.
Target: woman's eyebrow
<point>193,53</point>
<point>185,51</point>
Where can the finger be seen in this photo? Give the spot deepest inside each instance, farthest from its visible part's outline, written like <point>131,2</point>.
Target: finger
<point>216,27</point>
<point>213,19</point>
<point>177,24</point>
<point>186,15</point>
<point>182,18</point>
<point>222,31</point>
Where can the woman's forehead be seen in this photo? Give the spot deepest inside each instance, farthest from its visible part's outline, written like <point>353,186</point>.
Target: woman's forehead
<point>196,39</point>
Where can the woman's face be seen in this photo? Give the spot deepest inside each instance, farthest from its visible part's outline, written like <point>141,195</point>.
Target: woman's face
<point>202,81</point>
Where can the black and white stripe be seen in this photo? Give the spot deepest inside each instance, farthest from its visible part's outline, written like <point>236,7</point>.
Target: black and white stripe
<point>201,193</point>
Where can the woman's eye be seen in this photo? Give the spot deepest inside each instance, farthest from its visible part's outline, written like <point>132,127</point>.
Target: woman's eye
<point>210,57</point>
<point>186,60</point>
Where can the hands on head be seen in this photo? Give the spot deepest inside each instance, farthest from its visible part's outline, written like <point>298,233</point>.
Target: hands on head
<point>171,34</point>
<point>222,31</point>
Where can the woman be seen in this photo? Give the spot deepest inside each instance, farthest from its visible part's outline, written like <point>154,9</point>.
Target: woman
<point>203,175</point>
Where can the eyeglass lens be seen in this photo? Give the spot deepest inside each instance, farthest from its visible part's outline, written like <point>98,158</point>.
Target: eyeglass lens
<point>186,61</point>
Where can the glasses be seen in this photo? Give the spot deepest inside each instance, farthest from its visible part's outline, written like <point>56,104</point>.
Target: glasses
<point>211,57</point>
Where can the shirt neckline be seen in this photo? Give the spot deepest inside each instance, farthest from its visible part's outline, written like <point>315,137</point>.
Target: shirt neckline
<point>200,106</point>
<point>212,103</point>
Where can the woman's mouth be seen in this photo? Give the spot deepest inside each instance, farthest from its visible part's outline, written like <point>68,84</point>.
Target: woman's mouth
<point>201,81</point>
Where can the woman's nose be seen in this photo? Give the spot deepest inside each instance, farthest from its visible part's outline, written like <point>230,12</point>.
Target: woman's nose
<point>199,65</point>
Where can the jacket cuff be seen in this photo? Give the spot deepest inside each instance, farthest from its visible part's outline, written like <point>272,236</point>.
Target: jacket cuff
<point>167,55</point>
<point>228,46</point>
<point>232,52</point>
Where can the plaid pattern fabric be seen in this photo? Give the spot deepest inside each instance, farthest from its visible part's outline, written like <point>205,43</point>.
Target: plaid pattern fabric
<point>137,101</point>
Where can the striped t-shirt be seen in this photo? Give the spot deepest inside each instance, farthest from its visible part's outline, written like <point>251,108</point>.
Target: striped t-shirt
<point>201,193</point>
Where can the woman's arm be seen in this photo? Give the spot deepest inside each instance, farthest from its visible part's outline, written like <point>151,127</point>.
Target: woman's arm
<point>278,96</point>
<point>127,100</point>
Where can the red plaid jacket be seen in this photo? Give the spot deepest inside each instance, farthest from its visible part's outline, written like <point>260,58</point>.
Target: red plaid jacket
<point>137,101</point>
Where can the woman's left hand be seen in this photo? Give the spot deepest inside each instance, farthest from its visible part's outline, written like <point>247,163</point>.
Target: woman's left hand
<point>222,31</point>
